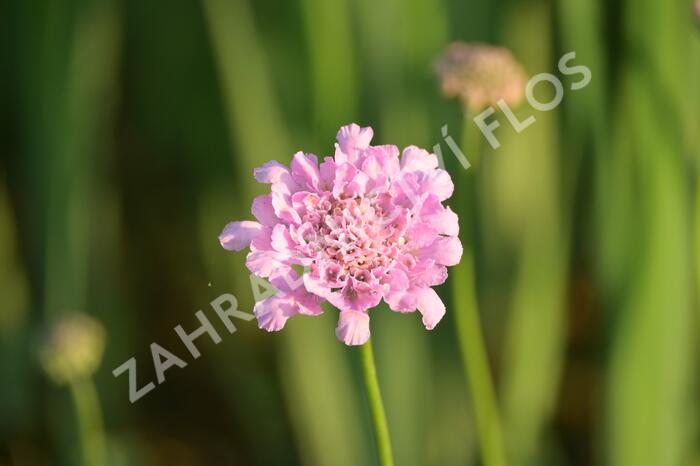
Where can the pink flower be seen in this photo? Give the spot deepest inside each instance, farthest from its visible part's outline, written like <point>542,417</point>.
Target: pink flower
<point>364,225</point>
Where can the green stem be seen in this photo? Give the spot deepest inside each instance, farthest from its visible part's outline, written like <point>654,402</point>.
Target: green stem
<point>90,426</point>
<point>374,396</point>
<point>469,334</point>
<point>697,236</point>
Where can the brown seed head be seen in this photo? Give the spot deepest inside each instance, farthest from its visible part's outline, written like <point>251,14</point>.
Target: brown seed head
<point>481,74</point>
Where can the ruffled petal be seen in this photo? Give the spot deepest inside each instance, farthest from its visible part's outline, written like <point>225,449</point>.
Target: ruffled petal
<point>351,138</point>
<point>401,301</point>
<point>263,211</point>
<point>446,250</point>
<point>263,263</point>
<point>238,235</point>
<point>282,204</point>
<point>388,157</point>
<point>287,280</point>
<point>428,273</point>
<point>327,174</point>
<point>397,280</point>
<point>309,304</point>
<point>305,170</point>
<point>380,164</point>
<point>316,285</point>
<point>417,159</point>
<point>278,175</point>
<point>443,219</point>
<point>344,175</point>
<point>281,240</point>
<point>422,234</point>
<point>353,328</point>
<point>355,297</point>
<point>440,184</point>
<point>272,313</point>
<point>430,306</point>
<point>445,222</point>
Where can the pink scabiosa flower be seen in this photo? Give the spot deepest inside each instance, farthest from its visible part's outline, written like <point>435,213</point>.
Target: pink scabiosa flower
<point>365,225</point>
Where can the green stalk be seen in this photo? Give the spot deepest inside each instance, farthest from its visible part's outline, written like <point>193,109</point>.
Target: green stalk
<point>469,334</point>
<point>90,425</point>
<point>697,238</point>
<point>374,396</point>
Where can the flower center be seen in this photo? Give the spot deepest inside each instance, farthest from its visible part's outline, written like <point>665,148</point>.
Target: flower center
<point>356,236</point>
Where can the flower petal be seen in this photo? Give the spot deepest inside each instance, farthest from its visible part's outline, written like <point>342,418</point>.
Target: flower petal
<point>263,211</point>
<point>353,328</point>
<point>316,285</point>
<point>263,263</point>
<point>443,219</point>
<point>278,175</point>
<point>351,138</point>
<point>380,164</point>
<point>401,301</point>
<point>431,306</point>
<point>309,304</point>
<point>396,279</point>
<point>305,170</point>
<point>428,273</point>
<point>282,204</point>
<point>440,184</point>
<point>422,234</point>
<point>355,297</point>
<point>238,235</point>
<point>416,159</point>
<point>281,240</point>
<point>446,222</point>
<point>446,250</point>
<point>286,280</point>
<point>327,173</point>
<point>272,313</point>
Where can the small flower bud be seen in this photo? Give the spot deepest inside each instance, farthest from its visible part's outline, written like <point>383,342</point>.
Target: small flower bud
<point>72,348</point>
<point>481,74</point>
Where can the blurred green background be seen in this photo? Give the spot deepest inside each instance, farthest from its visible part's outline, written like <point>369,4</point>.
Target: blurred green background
<point>129,133</point>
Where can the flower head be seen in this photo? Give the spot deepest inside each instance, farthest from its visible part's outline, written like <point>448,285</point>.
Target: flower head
<point>72,348</point>
<point>481,74</point>
<point>365,225</point>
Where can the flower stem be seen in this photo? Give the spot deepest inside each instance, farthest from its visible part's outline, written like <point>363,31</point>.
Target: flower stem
<point>469,334</point>
<point>374,396</point>
<point>697,236</point>
<point>90,426</point>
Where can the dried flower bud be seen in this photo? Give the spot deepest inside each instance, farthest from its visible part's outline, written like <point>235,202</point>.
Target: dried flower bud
<point>481,75</point>
<point>697,11</point>
<point>72,348</point>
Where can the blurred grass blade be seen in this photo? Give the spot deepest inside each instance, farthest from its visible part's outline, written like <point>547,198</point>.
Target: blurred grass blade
<point>68,100</point>
<point>649,384</point>
<point>16,397</point>
<point>650,380</point>
<point>535,336</point>
<point>91,68</point>
<point>399,41</point>
<point>256,125</point>
<point>331,47</point>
